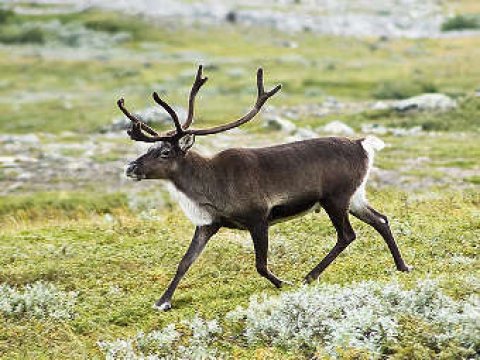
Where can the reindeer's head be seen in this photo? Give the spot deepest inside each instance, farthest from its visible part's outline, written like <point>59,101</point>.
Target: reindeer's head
<point>162,159</point>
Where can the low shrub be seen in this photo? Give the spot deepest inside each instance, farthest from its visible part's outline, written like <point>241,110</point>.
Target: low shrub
<point>402,89</point>
<point>116,23</point>
<point>5,15</point>
<point>22,35</point>
<point>461,22</point>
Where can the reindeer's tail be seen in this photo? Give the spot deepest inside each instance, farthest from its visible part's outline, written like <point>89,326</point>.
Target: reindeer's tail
<point>372,143</point>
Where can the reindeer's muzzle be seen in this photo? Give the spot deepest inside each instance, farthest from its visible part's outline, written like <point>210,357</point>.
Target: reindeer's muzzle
<point>132,171</point>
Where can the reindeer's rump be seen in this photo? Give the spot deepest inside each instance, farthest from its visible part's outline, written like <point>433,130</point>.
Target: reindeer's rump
<point>288,179</point>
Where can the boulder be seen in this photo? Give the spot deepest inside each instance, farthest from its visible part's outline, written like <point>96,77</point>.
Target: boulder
<point>236,72</point>
<point>279,124</point>
<point>374,129</point>
<point>338,128</point>
<point>378,129</point>
<point>305,133</point>
<point>20,139</point>
<point>429,101</point>
<point>415,130</point>
<point>380,105</point>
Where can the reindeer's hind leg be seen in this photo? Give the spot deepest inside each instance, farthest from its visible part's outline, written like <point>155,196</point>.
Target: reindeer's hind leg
<point>379,222</point>
<point>337,210</point>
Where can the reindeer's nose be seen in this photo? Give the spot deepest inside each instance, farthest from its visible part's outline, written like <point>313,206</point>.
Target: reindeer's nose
<point>131,169</point>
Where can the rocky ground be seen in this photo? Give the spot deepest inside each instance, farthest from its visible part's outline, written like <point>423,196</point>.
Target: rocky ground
<point>387,18</point>
<point>44,162</point>
<point>65,161</point>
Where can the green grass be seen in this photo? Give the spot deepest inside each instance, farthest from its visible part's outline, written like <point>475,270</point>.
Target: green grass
<point>473,179</point>
<point>57,205</point>
<point>67,239</point>
<point>91,256</point>
<point>349,68</point>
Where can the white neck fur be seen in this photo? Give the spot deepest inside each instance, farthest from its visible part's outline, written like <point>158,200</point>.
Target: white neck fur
<point>197,214</point>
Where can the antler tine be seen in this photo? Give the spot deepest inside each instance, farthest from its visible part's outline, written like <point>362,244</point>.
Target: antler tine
<point>262,97</point>
<point>170,111</point>
<point>199,81</point>
<point>148,129</point>
<point>135,132</point>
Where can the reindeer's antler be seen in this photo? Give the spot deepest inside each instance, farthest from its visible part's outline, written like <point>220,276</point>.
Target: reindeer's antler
<point>199,81</point>
<point>170,111</point>
<point>262,97</point>
<point>137,132</point>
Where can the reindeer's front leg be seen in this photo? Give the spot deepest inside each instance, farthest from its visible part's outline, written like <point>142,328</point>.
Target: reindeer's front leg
<point>200,239</point>
<point>259,233</point>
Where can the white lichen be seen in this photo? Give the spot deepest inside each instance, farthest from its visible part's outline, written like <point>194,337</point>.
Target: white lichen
<point>165,343</point>
<point>364,316</point>
<point>39,300</point>
<point>203,334</point>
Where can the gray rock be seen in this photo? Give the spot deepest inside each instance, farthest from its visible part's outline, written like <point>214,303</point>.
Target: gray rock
<point>313,92</point>
<point>24,176</point>
<point>279,124</point>
<point>382,130</point>
<point>287,44</point>
<point>16,161</point>
<point>386,18</point>
<point>380,105</point>
<point>305,133</point>
<point>19,139</point>
<point>429,101</point>
<point>338,128</point>
<point>331,102</point>
<point>236,72</point>
<point>406,131</point>
<point>374,129</point>
<point>8,161</point>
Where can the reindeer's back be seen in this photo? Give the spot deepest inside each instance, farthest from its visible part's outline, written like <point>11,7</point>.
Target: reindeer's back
<point>302,169</point>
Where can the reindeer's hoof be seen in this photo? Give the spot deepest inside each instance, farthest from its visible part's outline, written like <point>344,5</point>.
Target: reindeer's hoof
<point>165,306</point>
<point>308,280</point>
<point>286,284</point>
<point>406,268</point>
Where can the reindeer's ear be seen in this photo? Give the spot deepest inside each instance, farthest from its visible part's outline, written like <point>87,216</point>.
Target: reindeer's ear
<point>186,142</point>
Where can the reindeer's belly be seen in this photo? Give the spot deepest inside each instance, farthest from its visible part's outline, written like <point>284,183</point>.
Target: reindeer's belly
<point>287,211</point>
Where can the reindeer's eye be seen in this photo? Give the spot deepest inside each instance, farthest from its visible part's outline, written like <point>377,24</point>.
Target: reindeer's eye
<point>164,152</point>
<point>155,153</point>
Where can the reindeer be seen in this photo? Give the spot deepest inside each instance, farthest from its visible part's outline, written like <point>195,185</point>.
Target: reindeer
<point>254,188</point>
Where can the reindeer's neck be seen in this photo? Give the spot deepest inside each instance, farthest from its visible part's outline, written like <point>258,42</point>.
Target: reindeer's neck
<point>192,186</point>
<point>193,177</point>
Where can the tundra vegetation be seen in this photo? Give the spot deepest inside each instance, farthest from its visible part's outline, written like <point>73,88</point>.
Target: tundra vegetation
<point>84,253</point>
